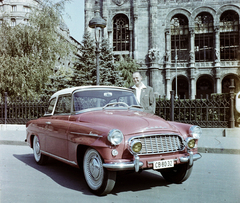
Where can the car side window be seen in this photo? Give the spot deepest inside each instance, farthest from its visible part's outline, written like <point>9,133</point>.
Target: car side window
<point>63,105</point>
<point>51,106</point>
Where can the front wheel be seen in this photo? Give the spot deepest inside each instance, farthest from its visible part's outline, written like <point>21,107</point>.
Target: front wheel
<point>99,180</point>
<point>178,174</point>
<point>38,156</point>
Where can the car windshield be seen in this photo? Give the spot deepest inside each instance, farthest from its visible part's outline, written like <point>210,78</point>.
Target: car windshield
<point>99,98</point>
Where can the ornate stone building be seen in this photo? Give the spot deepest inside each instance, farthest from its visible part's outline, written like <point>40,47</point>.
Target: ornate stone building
<point>15,12</point>
<point>195,40</point>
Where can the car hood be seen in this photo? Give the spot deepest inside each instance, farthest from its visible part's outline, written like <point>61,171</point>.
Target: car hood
<point>128,121</point>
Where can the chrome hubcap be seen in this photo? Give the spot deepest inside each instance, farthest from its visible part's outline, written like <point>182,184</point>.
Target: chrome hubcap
<point>94,167</point>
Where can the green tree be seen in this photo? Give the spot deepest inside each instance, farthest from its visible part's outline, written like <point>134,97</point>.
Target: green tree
<point>85,66</point>
<point>109,74</point>
<point>29,52</point>
<point>127,66</point>
<point>60,79</point>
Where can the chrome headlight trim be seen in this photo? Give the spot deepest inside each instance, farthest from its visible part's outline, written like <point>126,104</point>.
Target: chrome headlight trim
<point>131,145</point>
<point>115,136</point>
<point>195,131</point>
<point>189,142</point>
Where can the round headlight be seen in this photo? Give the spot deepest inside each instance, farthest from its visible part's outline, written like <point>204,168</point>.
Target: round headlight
<point>190,142</point>
<point>195,131</point>
<point>136,146</point>
<point>115,136</point>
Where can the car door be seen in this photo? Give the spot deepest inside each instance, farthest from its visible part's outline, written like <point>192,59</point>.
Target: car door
<point>41,126</point>
<point>56,141</point>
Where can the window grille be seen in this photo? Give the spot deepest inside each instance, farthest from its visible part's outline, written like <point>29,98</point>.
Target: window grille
<point>179,38</point>
<point>204,38</point>
<point>121,33</point>
<point>229,36</point>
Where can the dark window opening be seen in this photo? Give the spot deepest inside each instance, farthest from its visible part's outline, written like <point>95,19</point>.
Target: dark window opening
<point>120,33</point>
<point>204,47</point>
<point>229,36</point>
<point>179,38</point>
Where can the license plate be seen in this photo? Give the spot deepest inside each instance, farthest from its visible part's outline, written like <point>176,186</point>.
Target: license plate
<point>163,164</point>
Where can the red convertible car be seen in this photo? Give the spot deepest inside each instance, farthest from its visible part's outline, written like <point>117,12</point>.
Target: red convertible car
<point>104,130</point>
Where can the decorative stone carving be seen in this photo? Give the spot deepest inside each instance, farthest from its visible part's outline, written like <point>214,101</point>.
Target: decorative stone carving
<point>216,29</point>
<point>167,56</point>
<point>119,2</point>
<point>191,56</point>
<point>217,55</point>
<point>153,55</point>
<point>192,31</point>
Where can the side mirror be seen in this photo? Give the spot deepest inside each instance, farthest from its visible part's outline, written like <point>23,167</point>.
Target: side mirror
<point>238,102</point>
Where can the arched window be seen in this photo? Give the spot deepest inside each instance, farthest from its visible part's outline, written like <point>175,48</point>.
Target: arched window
<point>120,33</point>
<point>13,22</point>
<point>204,37</point>
<point>205,86</point>
<point>179,38</point>
<point>229,35</point>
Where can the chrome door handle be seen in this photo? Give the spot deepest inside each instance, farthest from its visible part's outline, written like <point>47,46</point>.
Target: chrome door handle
<point>48,123</point>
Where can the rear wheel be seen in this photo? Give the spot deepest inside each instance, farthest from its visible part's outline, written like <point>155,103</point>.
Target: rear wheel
<point>38,156</point>
<point>99,180</point>
<point>178,174</point>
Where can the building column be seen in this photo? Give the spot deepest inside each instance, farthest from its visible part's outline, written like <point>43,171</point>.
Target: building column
<point>192,48</point>
<point>131,43</point>
<point>134,31</point>
<point>153,53</point>
<point>192,64</point>
<point>168,87</point>
<point>153,23</point>
<point>193,91</point>
<point>218,88</point>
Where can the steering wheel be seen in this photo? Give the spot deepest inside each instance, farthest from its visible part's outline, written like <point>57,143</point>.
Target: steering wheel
<point>116,104</point>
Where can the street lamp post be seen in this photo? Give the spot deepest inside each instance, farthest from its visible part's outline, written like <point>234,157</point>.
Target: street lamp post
<point>176,58</point>
<point>97,23</point>
<point>175,23</point>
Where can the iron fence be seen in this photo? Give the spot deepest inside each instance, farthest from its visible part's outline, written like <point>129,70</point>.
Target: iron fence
<point>19,111</point>
<point>213,112</point>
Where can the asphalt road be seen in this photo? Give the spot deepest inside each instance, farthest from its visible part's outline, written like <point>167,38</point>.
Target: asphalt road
<point>215,178</point>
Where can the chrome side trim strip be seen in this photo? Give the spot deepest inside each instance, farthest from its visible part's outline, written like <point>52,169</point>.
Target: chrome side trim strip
<point>59,158</point>
<point>85,134</point>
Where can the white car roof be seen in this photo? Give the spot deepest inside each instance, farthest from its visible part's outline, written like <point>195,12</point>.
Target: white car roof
<point>72,89</point>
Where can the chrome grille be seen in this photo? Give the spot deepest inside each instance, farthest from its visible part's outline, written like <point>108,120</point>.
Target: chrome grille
<point>159,144</point>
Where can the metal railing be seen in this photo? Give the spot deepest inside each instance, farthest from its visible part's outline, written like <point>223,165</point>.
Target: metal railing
<point>19,111</point>
<point>213,112</point>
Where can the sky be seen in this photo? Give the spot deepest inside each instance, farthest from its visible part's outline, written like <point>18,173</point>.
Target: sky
<point>75,20</point>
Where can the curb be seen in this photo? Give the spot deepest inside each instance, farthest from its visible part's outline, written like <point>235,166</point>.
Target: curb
<point>16,143</point>
<point>5,127</point>
<point>218,151</point>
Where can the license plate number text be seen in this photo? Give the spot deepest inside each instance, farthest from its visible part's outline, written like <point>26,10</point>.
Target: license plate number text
<point>163,164</point>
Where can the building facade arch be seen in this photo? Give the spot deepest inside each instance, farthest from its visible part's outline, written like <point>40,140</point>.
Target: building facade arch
<point>199,10</point>
<point>229,74</point>
<point>224,8</point>
<point>226,82</point>
<point>183,86</point>
<point>204,85</point>
<point>174,12</point>
<point>114,15</point>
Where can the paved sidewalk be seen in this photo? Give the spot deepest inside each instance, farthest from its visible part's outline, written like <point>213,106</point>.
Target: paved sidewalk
<point>213,140</point>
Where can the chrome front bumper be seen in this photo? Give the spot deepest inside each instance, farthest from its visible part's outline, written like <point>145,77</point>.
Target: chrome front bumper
<point>136,164</point>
